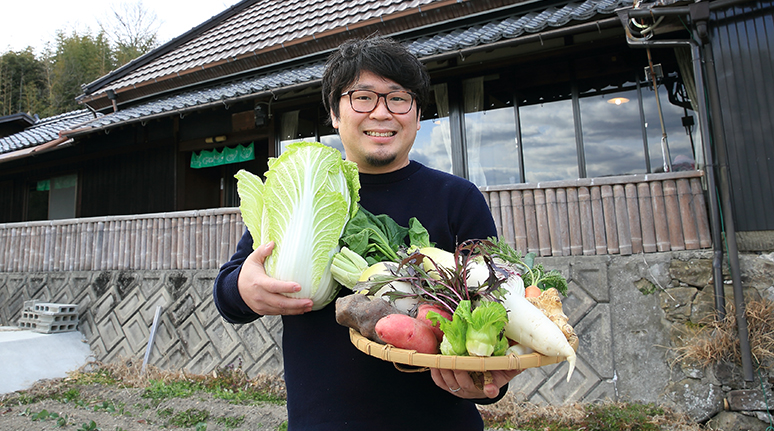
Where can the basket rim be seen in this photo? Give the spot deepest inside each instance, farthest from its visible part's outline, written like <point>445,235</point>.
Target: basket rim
<point>396,355</point>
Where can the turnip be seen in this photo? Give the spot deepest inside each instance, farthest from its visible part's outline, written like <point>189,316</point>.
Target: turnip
<point>400,293</point>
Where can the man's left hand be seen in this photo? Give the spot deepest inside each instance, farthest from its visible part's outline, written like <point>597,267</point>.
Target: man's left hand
<point>461,384</point>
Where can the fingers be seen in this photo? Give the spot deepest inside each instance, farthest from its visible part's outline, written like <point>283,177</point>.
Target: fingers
<point>456,382</point>
<point>461,384</point>
<point>266,295</point>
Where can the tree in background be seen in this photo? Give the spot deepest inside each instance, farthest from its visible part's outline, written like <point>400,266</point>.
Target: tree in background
<point>23,86</point>
<point>132,30</point>
<point>78,59</point>
<point>48,84</point>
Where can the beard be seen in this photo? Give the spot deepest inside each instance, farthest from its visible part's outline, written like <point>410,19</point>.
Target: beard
<point>379,160</point>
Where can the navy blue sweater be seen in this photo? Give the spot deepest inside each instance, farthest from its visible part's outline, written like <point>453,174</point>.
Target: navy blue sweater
<point>330,384</point>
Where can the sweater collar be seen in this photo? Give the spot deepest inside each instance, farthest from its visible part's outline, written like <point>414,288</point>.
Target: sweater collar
<point>391,177</point>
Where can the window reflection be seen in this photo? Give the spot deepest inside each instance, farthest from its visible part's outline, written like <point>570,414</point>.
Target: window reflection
<point>432,146</point>
<point>680,141</point>
<point>548,140</point>
<point>612,134</point>
<point>297,126</point>
<point>490,132</point>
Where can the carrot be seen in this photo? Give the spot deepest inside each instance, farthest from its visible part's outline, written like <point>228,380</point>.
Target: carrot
<point>532,291</point>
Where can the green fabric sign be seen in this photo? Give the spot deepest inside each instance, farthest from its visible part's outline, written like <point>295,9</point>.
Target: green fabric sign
<point>210,158</point>
<point>43,186</point>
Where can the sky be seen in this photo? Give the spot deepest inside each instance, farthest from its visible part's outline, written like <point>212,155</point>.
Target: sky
<point>24,24</point>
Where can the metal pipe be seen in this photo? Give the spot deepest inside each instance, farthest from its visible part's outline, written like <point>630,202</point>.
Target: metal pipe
<point>728,217</point>
<point>704,108</point>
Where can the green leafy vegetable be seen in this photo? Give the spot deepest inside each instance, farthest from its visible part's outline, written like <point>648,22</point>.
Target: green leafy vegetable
<point>309,195</point>
<point>378,238</point>
<point>473,332</point>
<point>485,329</point>
<point>454,331</point>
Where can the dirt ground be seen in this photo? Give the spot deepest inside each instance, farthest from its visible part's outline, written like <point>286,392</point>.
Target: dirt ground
<point>126,409</point>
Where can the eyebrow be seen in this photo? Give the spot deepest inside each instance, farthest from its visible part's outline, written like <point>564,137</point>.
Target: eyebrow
<point>392,87</point>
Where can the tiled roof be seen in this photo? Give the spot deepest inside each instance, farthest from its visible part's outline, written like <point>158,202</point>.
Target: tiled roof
<point>196,99</point>
<point>514,26</point>
<point>252,26</point>
<point>503,28</point>
<point>44,130</point>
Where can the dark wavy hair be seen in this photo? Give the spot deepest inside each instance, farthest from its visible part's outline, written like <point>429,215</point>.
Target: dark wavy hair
<point>379,55</point>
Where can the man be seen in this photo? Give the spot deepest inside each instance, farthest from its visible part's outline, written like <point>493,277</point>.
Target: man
<point>374,90</point>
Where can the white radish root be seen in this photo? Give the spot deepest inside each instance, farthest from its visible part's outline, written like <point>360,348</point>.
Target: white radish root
<point>529,326</point>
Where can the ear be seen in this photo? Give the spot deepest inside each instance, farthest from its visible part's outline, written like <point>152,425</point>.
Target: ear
<point>334,120</point>
<point>419,117</point>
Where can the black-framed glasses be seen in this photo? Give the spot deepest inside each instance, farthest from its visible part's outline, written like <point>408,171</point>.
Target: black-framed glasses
<point>365,101</point>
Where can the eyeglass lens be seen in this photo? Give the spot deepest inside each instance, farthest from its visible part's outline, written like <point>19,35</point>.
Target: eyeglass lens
<point>398,102</point>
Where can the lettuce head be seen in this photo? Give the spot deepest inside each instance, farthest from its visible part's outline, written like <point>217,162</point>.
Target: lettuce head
<point>308,197</point>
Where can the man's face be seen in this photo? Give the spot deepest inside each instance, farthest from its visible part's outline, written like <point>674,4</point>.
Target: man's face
<point>378,141</point>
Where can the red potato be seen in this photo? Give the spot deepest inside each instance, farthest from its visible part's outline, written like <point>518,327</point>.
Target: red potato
<point>422,311</point>
<point>406,332</point>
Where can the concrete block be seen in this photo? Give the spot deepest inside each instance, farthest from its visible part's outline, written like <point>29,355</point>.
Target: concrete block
<point>50,317</point>
<point>50,307</point>
<point>47,328</point>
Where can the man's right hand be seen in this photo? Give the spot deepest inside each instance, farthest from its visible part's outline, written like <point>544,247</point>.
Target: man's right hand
<point>265,295</point>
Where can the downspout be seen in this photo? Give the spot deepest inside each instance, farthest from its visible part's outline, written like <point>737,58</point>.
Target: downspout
<point>717,239</point>
<point>701,11</point>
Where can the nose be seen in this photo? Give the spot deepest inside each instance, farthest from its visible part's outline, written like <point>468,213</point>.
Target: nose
<point>380,110</point>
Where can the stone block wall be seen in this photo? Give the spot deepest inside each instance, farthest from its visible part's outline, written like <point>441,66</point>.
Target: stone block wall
<point>627,311</point>
<point>117,309</point>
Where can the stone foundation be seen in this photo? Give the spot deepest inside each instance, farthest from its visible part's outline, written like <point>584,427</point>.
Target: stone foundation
<point>628,311</point>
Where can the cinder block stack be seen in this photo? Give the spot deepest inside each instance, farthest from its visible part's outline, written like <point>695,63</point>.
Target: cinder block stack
<point>48,317</point>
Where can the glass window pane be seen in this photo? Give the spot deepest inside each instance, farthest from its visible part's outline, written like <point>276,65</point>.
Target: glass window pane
<point>612,135</point>
<point>432,146</point>
<point>296,126</point>
<point>62,197</point>
<point>37,201</point>
<point>679,143</point>
<point>490,133</point>
<point>548,140</point>
<point>334,140</point>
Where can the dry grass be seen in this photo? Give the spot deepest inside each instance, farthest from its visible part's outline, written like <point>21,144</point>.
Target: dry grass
<point>714,341</point>
<point>127,373</point>
<point>512,414</point>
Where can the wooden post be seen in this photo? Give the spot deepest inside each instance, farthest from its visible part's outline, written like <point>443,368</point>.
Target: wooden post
<point>506,216</point>
<point>574,222</point>
<point>530,219</point>
<point>622,220</point>
<point>494,208</point>
<point>598,216</point>
<point>543,227</point>
<point>687,216</point>
<point>554,232</point>
<point>519,226</point>
<point>632,207</point>
<point>673,216</point>
<point>587,220</point>
<point>702,224</point>
<point>659,216</point>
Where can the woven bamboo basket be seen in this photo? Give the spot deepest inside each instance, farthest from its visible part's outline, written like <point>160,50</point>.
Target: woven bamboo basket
<point>467,363</point>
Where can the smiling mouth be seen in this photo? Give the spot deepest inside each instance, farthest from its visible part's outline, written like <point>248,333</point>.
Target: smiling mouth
<point>381,134</point>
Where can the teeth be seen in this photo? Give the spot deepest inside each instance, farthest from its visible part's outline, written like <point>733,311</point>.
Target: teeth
<point>386,134</point>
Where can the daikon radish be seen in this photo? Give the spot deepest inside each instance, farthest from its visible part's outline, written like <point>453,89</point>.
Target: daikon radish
<point>528,326</point>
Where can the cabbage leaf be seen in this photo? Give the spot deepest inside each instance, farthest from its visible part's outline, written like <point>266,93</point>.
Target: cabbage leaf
<point>308,197</point>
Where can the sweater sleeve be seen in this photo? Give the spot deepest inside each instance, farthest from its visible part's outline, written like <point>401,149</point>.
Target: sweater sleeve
<point>225,291</point>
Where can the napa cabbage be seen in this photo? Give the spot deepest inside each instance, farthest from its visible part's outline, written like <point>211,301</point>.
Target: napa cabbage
<point>308,197</point>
